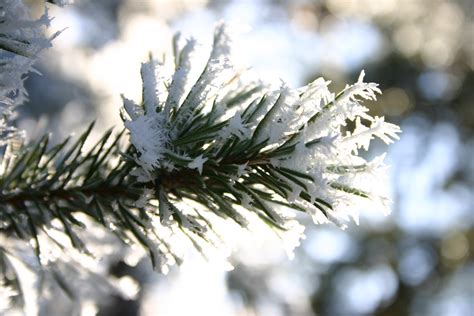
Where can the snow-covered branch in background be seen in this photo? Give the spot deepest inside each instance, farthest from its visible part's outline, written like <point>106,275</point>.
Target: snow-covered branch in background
<point>21,40</point>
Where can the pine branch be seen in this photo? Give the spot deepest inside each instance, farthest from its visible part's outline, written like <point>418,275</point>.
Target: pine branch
<point>196,153</point>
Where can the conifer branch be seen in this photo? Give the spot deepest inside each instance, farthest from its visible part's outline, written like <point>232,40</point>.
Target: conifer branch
<point>196,152</point>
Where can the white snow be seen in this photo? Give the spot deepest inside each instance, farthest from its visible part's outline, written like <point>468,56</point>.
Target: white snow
<point>197,163</point>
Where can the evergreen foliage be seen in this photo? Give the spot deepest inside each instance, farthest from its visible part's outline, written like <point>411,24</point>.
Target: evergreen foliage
<point>198,151</point>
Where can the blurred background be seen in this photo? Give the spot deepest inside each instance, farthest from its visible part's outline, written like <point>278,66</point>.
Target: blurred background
<point>417,261</point>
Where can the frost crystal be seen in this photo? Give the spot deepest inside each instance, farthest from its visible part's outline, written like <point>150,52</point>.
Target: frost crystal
<point>197,163</point>
<point>223,144</point>
<point>148,135</point>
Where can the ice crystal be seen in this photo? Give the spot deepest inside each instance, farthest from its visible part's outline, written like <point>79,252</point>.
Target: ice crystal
<point>197,163</point>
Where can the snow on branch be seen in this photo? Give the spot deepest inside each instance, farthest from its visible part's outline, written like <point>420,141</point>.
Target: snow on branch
<point>21,40</point>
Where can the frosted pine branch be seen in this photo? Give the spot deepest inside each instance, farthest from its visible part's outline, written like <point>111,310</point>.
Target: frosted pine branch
<point>205,155</point>
<point>21,40</point>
